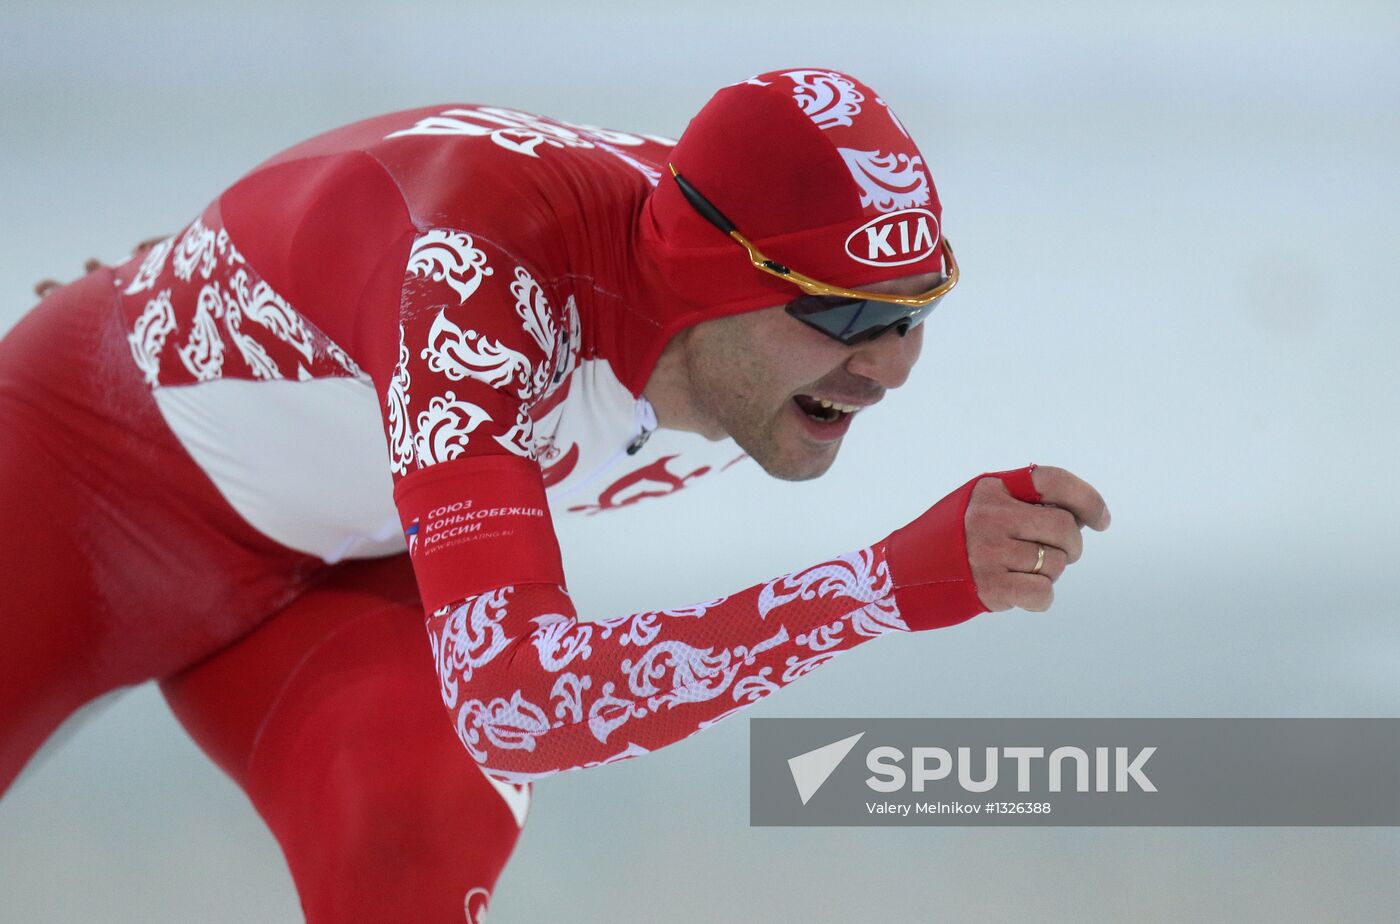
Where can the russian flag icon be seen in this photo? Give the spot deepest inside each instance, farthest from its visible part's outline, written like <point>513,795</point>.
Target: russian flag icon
<point>411,534</point>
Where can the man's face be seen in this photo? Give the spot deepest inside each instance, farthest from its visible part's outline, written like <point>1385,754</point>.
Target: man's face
<point>760,377</point>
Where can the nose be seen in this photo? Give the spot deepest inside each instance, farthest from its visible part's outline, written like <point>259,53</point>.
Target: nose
<point>888,359</point>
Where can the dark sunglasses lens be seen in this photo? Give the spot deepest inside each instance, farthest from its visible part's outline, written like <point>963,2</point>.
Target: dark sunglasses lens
<point>854,320</point>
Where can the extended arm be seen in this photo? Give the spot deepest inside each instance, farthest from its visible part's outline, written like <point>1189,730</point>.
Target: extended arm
<point>534,691</point>
<point>531,689</point>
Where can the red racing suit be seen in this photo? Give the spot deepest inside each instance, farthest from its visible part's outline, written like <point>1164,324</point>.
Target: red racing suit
<point>430,330</point>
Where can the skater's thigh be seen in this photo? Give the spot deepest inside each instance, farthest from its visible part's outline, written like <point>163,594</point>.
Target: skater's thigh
<point>51,614</point>
<point>330,718</point>
<point>120,560</point>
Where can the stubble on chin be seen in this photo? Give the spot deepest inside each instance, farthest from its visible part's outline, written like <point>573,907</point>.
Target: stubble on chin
<point>787,459</point>
<point>787,469</point>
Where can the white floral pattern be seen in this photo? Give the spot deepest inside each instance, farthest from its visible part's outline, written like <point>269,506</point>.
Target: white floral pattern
<point>443,429</point>
<point>459,353</point>
<point>260,304</point>
<point>560,640</point>
<point>532,306</point>
<point>349,365</point>
<point>516,365</point>
<point>857,576</point>
<point>151,267</point>
<point>196,250</point>
<point>609,713</point>
<point>877,618</point>
<point>148,337</point>
<point>253,350</point>
<point>450,257</point>
<point>520,438</point>
<point>659,675</point>
<point>567,696</point>
<point>220,309</point>
<point>455,352</point>
<point>396,412</point>
<point>828,98</point>
<point>888,181</point>
<point>468,638</point>
<point>203,353</point>
<point>513,723</point>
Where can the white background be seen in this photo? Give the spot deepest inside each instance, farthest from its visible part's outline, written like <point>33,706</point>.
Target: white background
<point>1177,228</point>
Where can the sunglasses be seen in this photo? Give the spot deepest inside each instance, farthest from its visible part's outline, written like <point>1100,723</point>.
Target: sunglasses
<point>851,316</point>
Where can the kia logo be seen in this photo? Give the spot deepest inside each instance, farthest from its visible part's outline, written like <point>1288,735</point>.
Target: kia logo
<point>906,236</point>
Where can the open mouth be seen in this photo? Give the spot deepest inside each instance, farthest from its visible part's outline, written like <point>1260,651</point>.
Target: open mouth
<point>823,411</point>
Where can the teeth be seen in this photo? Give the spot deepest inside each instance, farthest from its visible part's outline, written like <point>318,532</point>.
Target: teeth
<point>829,405</point>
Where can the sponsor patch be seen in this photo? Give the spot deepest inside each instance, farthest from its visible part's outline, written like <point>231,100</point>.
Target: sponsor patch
<point>894,239</point>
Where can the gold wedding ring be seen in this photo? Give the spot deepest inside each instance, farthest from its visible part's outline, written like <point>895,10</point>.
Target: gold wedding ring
<point>1039,559</point>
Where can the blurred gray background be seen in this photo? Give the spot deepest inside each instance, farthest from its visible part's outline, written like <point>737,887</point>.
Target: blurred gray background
<point>1177,227</point>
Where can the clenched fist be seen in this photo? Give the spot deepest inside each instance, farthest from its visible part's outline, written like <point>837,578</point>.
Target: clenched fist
<point>980,548</point>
